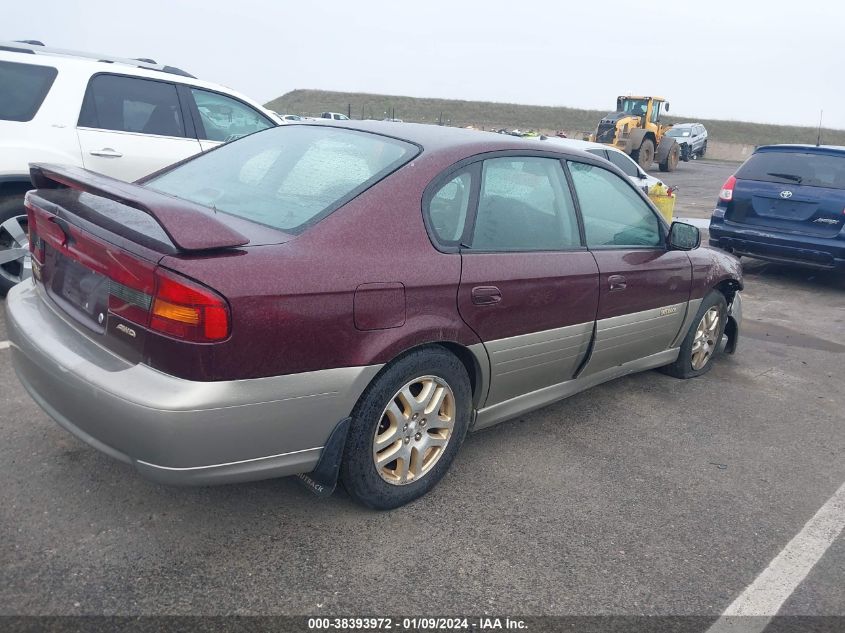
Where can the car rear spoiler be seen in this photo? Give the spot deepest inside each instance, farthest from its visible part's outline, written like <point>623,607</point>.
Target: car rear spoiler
<point>190,226</point>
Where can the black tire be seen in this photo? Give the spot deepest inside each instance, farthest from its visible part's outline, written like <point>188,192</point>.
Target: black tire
<point>10,272</point>
<point>703,150</point>
<point>358,472</point>
<point>645,155</point>
<point>670,163</point>
<point>683,366</point>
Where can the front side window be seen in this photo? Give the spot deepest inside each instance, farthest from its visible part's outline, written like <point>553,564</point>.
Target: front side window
<point>524,205</point>
<point>624,163</point>
<point>23,88</point>
<point>655,111</point>
<point>129,104</point>
<point>224,119</point>
<point>288,177</point>
<point>448,207</point>
<point>614,215</point>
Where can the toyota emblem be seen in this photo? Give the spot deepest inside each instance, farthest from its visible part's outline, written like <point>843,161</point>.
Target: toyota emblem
<point>785,194</point>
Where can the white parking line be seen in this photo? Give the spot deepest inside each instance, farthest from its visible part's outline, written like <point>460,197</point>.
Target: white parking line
<point>766,595</point>
<point>4,344</point>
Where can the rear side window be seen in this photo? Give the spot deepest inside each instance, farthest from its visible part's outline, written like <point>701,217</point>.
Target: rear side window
<point>287,177</point>
<point>449,206</point>
<point>624,163</point>
<point>524,205</point>
<point>23,88</point>
<point>129,104</point>
<point>614,215</point>
<point>225,119</point>
<point>795,168</point>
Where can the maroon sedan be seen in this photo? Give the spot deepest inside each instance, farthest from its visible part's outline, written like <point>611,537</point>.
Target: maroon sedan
<point>346,302</point>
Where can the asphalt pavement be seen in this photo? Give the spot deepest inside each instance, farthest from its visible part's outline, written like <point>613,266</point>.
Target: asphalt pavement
<point>646,495</point>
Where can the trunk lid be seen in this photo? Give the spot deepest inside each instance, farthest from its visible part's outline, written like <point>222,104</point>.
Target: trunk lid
<point>815,211</point>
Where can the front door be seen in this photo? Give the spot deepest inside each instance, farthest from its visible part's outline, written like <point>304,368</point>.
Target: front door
<point>529,288</point>
<point>644,287</point>
<point>220,118</point>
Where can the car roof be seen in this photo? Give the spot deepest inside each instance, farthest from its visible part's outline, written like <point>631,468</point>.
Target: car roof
<point>835,150</point>
<point>573,143</point>
<point>583,146</point>
<point>436,138</point>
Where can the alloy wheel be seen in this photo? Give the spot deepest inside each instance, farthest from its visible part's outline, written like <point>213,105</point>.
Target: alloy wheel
<point>15,262</point>
<point>414,429</point>
<point>705,340</point>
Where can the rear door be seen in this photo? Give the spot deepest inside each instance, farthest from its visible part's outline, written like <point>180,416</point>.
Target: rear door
<point>644,288</point>
<point>529,288</point>
<point>801,192</point>
<point>130,127</point>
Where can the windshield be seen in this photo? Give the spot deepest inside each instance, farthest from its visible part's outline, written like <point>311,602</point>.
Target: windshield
<point>637,107</point>
<point>795,168</point>
<point>287,177</point>
<point>679,132</point>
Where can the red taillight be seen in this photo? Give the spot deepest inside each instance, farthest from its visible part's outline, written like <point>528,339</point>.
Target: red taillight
<point>727,192</point>
<point>187,310</point>
<point>169,303</point>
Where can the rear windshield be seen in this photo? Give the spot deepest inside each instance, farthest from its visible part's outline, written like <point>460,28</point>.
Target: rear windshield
<point>22,89</point>
<point>795,168</point>
<point>288,177</point>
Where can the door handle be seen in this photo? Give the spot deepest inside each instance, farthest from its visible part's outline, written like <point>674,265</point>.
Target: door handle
<point>106,152</point>
<point>486,295</point>
<point>617,282</point>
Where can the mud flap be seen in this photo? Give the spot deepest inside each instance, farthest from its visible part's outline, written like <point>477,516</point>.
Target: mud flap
<point>733,324</point>
<point>323,479</point>
<point>732,332</point>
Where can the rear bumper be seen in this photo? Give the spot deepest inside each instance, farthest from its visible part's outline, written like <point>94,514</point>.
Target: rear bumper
<point>173,430</point>
<point>817,252</point>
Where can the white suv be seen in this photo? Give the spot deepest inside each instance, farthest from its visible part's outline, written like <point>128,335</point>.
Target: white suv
<point>629,167</point>
<point>124,118</point>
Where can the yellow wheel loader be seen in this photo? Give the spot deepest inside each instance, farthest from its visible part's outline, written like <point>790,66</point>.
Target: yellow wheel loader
<point>635,128</point>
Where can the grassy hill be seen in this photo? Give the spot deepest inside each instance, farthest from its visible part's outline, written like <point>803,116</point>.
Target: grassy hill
<point>510,115</point>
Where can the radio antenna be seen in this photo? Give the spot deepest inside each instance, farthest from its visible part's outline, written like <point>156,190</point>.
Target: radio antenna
<point>819,137</point>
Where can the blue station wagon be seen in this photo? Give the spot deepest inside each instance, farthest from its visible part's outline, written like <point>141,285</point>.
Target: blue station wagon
<point>786,203</point>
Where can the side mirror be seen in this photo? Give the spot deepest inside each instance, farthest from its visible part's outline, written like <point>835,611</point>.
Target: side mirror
<point>684,237</point>
<point>666,106</point>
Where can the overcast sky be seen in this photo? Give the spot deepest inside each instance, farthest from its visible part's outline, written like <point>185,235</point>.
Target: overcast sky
<point>778,62</point>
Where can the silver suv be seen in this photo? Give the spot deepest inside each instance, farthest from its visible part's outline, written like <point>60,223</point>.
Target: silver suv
<point>692,137</point>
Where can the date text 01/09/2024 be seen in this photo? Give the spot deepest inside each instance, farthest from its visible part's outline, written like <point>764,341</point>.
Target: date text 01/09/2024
<point>415,624</point>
